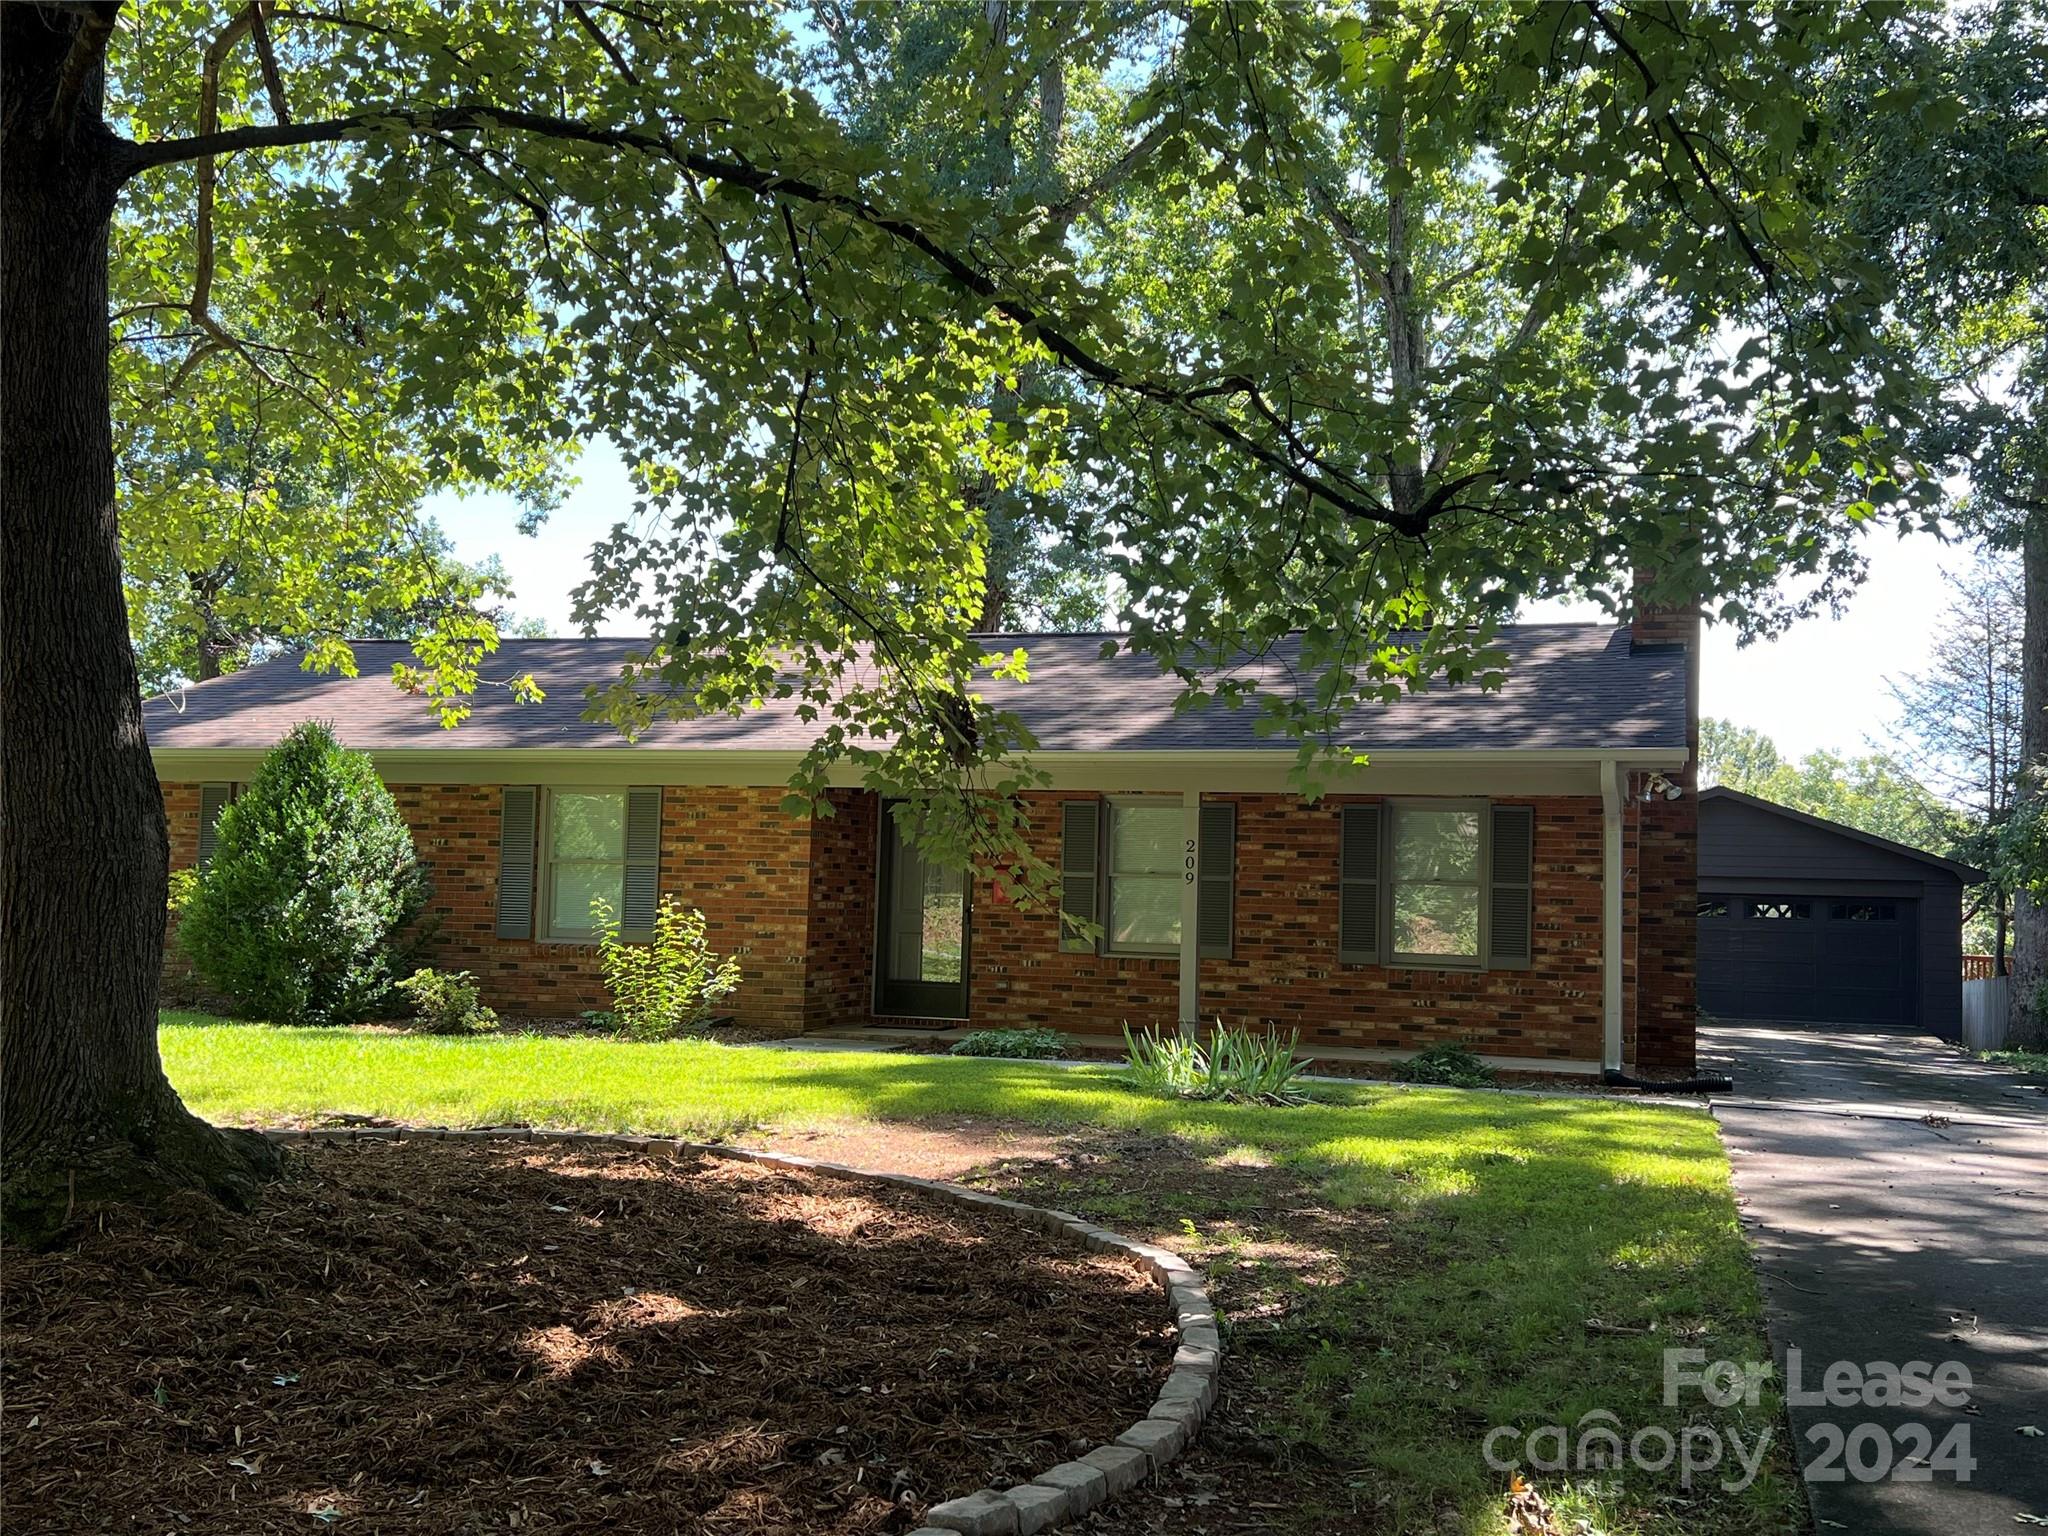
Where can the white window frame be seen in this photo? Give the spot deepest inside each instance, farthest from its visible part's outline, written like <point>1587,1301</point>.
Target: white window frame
<point>545,847</point>
<point>1174,877</point>
<point>1481,883</point>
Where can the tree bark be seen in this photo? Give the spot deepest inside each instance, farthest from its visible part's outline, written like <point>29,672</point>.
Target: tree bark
<point>85,1110</point>
<point>2026,1025</point>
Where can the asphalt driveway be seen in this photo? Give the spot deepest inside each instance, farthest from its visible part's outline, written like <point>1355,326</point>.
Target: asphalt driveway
<point>1897,1196</point>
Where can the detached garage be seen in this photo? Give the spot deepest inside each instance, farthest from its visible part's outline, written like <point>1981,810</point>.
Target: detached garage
<point>1809,921</point>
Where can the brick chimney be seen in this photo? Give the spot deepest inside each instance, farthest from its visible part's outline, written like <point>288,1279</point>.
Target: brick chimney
<point>1659,624</point>
<point>1666,836</point>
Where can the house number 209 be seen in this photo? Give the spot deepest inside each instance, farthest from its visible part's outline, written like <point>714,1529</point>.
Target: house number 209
<point>1190,877</point>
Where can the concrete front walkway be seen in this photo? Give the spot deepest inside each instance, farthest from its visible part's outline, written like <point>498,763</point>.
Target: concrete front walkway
<point>1897,1196</point>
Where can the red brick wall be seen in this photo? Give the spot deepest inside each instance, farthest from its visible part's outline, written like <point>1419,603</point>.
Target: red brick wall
<point>1665,1014</point>
<point>181,988</point>
<point>842,910</point>
<point>1284,968</point>
<point>732,853</point>
<point>795,901</point>
<point>1666,1010</point>
<point>735,856</point>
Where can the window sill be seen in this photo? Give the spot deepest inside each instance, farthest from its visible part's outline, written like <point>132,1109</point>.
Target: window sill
<point>1499,968</point>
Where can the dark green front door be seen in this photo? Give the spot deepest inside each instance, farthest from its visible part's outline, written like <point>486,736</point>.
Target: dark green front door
<point>921,944</point>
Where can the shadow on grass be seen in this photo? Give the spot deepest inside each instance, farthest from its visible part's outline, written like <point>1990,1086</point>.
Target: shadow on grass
<point>1511,1224</point>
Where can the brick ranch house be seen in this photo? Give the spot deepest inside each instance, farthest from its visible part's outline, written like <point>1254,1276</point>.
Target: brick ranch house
<point>1509,869</point>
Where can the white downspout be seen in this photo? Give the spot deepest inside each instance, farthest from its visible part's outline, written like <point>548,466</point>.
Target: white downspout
<point>1190,892</point>
<point>1610,913</point>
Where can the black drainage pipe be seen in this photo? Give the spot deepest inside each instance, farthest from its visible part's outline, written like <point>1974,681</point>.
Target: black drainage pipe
<point>1712,1082</point>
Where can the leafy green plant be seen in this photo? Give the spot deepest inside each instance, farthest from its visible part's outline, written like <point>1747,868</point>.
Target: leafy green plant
<point>1016,1044</point>
<point>600,1018</point>
<point>2017,1059</point>
<point>183,883</point>
<point>1450,1063</point>
<point>669,985</point>
<point>299,914</point>
<point>1236,1066</point>
<point>446,1002</point>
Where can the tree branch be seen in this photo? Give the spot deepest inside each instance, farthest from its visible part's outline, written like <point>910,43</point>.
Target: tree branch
<point>611,51</point>
<point>208,177</point>
<point>763,182</point>
<point>88,49</point>
<point>266,59</point>
<point>1667,121</point>
<point>1082,199</point>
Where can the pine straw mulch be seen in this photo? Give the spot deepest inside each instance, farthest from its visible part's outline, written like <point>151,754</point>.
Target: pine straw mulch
<point>469,1337</point>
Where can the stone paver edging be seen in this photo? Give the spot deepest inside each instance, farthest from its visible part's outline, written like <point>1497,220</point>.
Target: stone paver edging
<point>1058,1494</point>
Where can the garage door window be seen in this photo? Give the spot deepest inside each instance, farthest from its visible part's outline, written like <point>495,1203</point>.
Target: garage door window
<point>1789,911</point>
<point>1864,912</point>
<point>1713,906</point>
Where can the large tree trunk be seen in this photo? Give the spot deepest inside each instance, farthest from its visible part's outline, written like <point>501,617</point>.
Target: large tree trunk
<point>2027,1026</point>
<point>85,1109</point>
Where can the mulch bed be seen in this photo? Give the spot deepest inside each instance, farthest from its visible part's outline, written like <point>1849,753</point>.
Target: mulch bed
<point>470,1337</point>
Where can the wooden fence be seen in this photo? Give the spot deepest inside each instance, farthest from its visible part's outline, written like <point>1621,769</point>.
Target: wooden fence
<point>1984,1008</point>
<point>1978,967</point>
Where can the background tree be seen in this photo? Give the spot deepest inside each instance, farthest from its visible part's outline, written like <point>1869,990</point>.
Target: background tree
<point>1874,792</point>
<point>1411,314</point>
<point>1736,755</point>
<point>249,586</point>
<point>1961,720</point>
<point>1952,192</point>
<point>903,78</point>
<point>271,490</point>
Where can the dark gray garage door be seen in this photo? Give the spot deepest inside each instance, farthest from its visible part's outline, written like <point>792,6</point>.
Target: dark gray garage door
<point>1835,960</point>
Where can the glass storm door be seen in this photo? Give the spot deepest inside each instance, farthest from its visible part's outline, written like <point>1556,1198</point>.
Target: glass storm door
<point>921,956</point>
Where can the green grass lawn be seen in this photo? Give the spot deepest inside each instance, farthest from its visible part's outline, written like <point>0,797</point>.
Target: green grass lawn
<point>1404,1269</point>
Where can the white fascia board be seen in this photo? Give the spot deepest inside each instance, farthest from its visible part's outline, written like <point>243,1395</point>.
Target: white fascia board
<point>1545,771</point>
<point>607,765</point>
<point>1491,771</point>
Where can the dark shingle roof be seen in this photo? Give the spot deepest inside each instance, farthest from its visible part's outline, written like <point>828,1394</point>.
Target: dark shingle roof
<point>1569,687</point>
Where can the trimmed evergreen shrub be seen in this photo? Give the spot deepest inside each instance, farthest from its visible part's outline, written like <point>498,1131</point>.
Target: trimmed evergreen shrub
<point>301,914</point>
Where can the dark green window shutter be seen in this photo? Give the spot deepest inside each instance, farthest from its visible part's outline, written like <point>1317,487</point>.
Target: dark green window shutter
<point>1358,887</point>
<point>213,799</point>
<point>1217,884</point>
<point>643,860</point>
<point>515,863</point>
<point>1511,897</point>
<point>1080,872</point>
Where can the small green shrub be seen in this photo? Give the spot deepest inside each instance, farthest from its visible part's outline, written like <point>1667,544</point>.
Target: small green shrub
<point>1450,1064</point>
<point>446,1003</point>
<point>183,883</point>
<point>669,985</point>
<point>1237,1066</point>
<point>1014,1044</point>
<point>600,1018</point>
<point>303,911</point>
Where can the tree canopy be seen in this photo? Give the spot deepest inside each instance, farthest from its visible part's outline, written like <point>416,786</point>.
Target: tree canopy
<point>1368,324</point>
